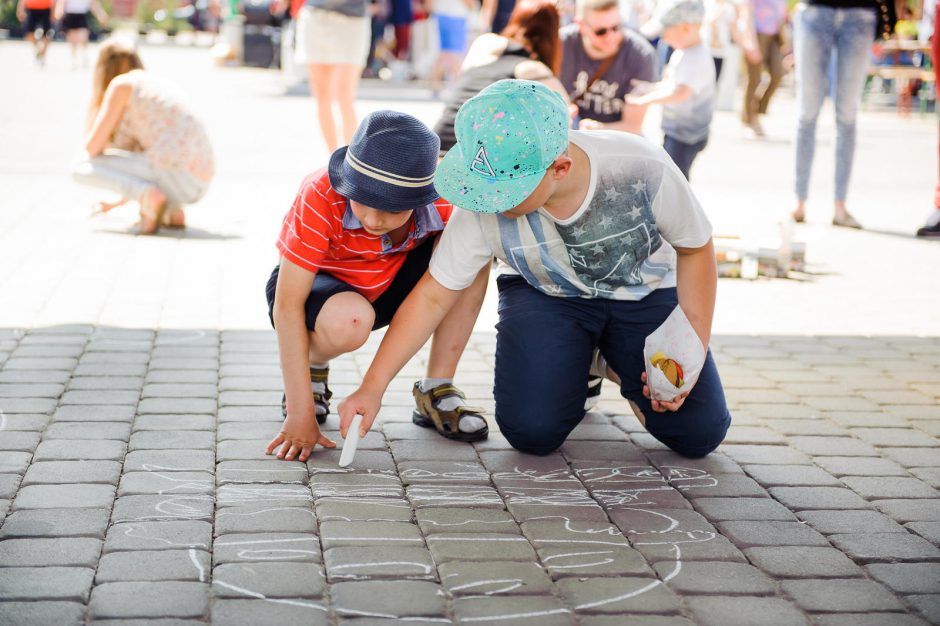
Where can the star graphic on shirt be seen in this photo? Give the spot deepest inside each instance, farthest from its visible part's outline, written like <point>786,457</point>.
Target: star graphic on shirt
<point>605,222</point>
<point>553,288</point>
<point>635,212</point>
<point>639,186</point>
<point>578,231</point>
<point>597,249</point>
<point>612,194</point>
<point>602,287</point>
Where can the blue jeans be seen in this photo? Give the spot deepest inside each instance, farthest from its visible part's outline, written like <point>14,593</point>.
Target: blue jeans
<point>544,346</point>
<point>819,32</point>
<point>683,153</point>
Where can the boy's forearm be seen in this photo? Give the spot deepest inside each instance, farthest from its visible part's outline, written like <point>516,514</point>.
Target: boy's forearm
<point>665,93</point>
<point>697,285</point>
<point>293,348</point>
<point>414,323</point>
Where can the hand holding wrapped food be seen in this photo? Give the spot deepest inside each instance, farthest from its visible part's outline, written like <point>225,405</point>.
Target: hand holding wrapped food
<point>669,367</point>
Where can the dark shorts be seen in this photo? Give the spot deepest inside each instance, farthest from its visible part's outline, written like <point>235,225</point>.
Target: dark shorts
<point>74,21</point>
<point>38,19</point>
<point>683,153</point>
<point>544,346</point>
<point>385,306</point>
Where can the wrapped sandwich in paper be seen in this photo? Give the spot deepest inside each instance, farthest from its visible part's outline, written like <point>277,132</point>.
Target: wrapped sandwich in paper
<point>674,357</point>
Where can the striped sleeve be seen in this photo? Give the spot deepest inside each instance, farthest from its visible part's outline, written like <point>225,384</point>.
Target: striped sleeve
<point>308,227</point>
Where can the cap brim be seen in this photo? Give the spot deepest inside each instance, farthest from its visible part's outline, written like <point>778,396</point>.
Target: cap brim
<point>383,202</point>
<point>475,193</point>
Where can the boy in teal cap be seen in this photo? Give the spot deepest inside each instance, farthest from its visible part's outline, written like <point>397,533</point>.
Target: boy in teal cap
<point>602,237</point>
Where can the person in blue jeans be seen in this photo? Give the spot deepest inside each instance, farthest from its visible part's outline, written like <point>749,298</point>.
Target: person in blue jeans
<point>604,239</point>
<point>824,29</point>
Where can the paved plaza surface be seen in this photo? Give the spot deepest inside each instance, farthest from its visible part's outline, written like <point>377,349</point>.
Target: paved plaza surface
<point>139,384</point>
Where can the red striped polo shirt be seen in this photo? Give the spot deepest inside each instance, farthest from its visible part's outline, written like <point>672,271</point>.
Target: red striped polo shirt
<point>313,237</point>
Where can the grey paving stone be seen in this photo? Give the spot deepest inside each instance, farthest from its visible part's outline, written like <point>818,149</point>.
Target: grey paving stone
<point>443,472</point>
<point>479,547</point>
<point>29,405</point>
<point>170,460</point>
<point>766,455</point>
<point>256,547</point>
<point>725,485</point>
<point>907,578</point>
<point>25,421</point>
<point>886,547</point>
<point>443,450</point>
<point>107,382</point>
<point>272,580</point>
<point>715,577</point>
<point>814,427</point>
<point>635,620</point>
<point>263,612</point>
<point>271,471</point>
<point>521,610</point>
<point>928,530</point>
<point>453,495</point>
<point>32,363</point>
<point>465,520</point>
<point>926,605</point>
<point>162,507</point>
<point>833,446</point>
<point>369,461</point>
<point>42,613</point>
<point>237,450</point>
<point>180,390</point>
<point>171,363</point>
<point>78,496</point>
<point>119,431</point>
<point>617,595</point>
<point>94,413</point>
<point>836,522</point>
<point>803,562</point>
<point>15,462</point>
<point>60,552</point>
<point>9,483</point>
<point>670,464</point>
<point>337,533</point>
<point>80,450</point>
<point>913,457</point>
<point>35,376</point>
<point>127,566</point>
<point>188,406</point>
<point>494,578</point>
<point>408,561</point>
<point>172,440</point>
<point>364,509</point>
<point>524,507</point>
<point>149,599</point>
<point>805,498</point>
<point>883,487</point>
<point>45,583</point>
<point>105,369</point>
<point>744,509</point>
<point>766,533</point>
<point>930,475</point>
<point>732,611</point>
<point>791,476</point>
<point>254,518</point>
<point>910,510</point>
<point>56,523</point>
<point>391,598</point>
<point>249,413</point>
<point>168,535</point>
<point>271,495</point>
<point>860,466</point>
<point>696,546</point>
<point>230,431</point>
<point>869,619</point>
<point>551,533</point>
<point>834,596</point>
<point>174,422</point>
<point>140,483</point>
<point>100,397</point>
<point>896,437</point>
<point>20,440</point>
<point>356,485</point>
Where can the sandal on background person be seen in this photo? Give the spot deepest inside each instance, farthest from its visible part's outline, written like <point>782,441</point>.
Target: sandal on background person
<point>442,408</point>
<point>321,394</point>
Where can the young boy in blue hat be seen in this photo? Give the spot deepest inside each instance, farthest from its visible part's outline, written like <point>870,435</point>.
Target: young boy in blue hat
<point>603,237</point>
<point>353,245</point>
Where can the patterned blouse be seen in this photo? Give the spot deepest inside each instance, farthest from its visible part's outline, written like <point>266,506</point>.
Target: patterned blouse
<point>158,121</point>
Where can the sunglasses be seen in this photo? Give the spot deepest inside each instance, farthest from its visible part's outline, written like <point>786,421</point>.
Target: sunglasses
<point>600,32</point>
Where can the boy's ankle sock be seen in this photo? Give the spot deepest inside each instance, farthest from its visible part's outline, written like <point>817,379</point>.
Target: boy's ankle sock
<point>467,424</point>
<point>318,387</point>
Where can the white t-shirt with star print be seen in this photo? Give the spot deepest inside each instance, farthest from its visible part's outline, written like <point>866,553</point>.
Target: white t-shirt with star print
<point>619,244</point>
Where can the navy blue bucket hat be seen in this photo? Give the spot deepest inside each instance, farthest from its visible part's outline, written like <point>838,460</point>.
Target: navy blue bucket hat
<point>390,163</point>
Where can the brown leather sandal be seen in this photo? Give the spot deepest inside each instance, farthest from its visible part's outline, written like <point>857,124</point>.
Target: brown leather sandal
<point>321,401</point>
<point>428,415</point>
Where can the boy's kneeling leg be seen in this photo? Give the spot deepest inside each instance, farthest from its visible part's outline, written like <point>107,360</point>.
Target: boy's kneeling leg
<point>342,325</point>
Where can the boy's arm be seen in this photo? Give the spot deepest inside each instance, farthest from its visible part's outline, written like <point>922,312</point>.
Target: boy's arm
<point>21,10</point>
<point>414,322</point>
<point>300,433</point>
<point>696,284</point>
<point>661,93</point>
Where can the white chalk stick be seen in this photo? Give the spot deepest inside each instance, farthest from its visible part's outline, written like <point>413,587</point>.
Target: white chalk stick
<point>351,442</point>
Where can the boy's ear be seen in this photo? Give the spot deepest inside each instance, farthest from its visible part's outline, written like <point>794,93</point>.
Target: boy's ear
<point>561,166</point>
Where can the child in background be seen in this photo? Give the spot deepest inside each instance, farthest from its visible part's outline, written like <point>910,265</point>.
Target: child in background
<point>74,17</point>
<point>687,90</point>
<point>355,243</point>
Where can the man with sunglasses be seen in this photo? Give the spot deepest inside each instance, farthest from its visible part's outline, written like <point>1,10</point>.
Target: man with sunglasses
<point>600,58</point>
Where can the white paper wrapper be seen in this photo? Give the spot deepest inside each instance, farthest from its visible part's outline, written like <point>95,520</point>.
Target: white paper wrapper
<point>678,341</point>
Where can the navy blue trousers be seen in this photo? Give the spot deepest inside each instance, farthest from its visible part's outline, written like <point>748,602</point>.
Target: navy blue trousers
<point>683,153</point>
<point>544,346</point>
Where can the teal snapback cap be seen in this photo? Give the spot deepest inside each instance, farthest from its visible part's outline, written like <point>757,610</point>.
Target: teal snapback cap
<point>507,137</point>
